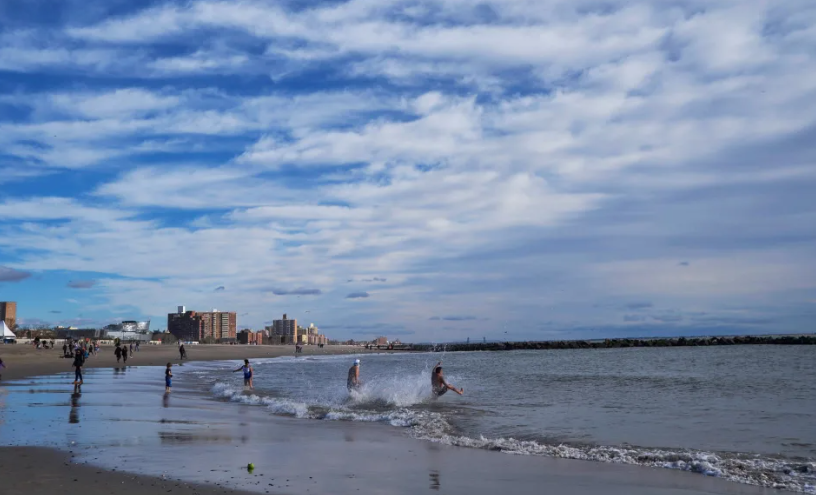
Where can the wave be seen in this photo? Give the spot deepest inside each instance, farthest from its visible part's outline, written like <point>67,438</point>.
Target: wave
<point>784,474</point>
<point>402,402</point>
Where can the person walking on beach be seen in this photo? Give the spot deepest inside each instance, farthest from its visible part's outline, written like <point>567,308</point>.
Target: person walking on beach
<point>438,384</point>
<point>79,361</point>
<point>182,352</point>
<point>2,366</point>
<point>131,350</point>
<point>118,352</point>
<point>124,355</point>
<point>247,369</point>
<point>353,382</point>
<point>168,378</point>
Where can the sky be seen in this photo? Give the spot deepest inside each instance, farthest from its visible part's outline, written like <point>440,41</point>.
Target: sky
<point>428,170</point>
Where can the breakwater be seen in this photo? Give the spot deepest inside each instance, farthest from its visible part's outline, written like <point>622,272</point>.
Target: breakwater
<point>617,343</point>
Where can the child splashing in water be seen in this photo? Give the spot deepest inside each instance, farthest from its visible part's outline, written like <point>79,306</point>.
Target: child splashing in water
<point>247,369</point>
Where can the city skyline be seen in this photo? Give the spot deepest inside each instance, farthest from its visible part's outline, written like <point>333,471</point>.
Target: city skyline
<point>429,171</point>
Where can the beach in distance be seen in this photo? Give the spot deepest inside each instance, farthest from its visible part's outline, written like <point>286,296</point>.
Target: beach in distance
<point>628,421</point>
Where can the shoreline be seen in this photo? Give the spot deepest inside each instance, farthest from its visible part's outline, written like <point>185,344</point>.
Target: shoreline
<point>23,361</point>
<point>348,457</point>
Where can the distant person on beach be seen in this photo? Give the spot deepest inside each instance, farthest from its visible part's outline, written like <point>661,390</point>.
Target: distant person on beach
<point>353,382</point>
<point>124,355</point>
<point>65,350</point>
<point>168,378</point>
<point>118,352</point>
<point>247,369</point>
<point>79,361</point>
<point>137,347</point>
<point>438,384</point>
<point>131,350</point>
<point>2,366</point>
<point>182,352</point>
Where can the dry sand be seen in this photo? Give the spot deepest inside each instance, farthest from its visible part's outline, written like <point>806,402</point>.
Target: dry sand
<point>25,360</point>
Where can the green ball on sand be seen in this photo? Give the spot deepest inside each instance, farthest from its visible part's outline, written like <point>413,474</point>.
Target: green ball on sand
<point>250,466</point>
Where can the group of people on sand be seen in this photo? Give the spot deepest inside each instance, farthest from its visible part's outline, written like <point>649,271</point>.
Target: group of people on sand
<point>439,386</point>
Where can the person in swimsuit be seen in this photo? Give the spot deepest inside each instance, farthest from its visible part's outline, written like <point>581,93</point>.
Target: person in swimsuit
<point>168,378</point>
<point>353,382</point>
<point>247,369</point>
<point>438,384</point>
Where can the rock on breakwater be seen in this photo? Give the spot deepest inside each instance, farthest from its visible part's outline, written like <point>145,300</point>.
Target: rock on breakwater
<point>616,343</point>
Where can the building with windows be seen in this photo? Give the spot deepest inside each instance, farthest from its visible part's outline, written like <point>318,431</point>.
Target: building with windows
<point>285,328</point>
<point>194,326</point>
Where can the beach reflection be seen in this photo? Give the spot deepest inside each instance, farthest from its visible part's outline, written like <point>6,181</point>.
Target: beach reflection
<point>435,484</point>
<point>73,415</point>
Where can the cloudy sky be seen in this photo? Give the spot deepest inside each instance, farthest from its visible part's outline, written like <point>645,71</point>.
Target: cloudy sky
<point>429,170</point>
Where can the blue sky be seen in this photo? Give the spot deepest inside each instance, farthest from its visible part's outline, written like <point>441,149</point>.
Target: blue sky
<point>525,169</point>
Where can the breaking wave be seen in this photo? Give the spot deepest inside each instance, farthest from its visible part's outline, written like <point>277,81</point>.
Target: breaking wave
<point>403,403</point>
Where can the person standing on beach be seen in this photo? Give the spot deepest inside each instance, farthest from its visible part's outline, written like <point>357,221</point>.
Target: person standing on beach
<point>353,382</point>
<point>124,355</point>
<point>438,384</point>
<point>131,350</point>
<point>247,369</point>
<point>168,378</point>
<point>182,352</point>
<point>79,360</point>
<point>2,366</point>
<point>118,352</point>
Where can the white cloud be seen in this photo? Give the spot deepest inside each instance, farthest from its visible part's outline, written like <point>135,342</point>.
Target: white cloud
<point>509,144</point>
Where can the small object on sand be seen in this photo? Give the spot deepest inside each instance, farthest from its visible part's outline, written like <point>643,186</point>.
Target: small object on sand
<point>250,466</point>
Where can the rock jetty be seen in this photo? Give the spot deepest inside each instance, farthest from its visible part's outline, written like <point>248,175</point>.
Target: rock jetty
<point>616,343</point>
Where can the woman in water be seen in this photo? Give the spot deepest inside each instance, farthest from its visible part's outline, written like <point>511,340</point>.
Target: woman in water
<point>247,369</point>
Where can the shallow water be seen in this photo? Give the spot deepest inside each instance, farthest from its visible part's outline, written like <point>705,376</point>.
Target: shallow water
<point>741,413</point>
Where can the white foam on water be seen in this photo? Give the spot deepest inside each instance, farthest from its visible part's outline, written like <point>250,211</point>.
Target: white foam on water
<point>398,401</point>
<point>755,470</point>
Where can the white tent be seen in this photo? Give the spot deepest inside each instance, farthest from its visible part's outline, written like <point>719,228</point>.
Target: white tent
<point>5,332</point>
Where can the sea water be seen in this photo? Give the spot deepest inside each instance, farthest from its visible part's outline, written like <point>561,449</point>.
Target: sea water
<point>742,413</point>
<point>745,413</point>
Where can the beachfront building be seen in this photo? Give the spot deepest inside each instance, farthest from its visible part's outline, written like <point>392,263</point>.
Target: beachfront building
<point>286,329</point>
<point>8,313</point>
<point>220,325</point>
<point>252,338</point>
<point>195,326</point>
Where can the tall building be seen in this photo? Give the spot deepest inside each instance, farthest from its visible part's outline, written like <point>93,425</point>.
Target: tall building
<point>187,326</point>
<point>8,313</point>
<point>220,325</point>
<point>286,328</point>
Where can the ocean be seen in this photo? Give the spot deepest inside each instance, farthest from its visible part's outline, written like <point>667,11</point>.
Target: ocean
<point>745,413</point>
<point>741,413</point>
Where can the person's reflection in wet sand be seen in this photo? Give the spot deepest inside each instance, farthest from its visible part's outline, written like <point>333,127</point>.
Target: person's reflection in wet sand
<point>73,416</point>
<point>435,484</point>
<point>166,400</point>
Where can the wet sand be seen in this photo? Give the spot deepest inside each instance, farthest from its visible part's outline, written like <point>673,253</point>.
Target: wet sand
<point>25,360</point>
<point>33,471</point>
<point>123,421</point>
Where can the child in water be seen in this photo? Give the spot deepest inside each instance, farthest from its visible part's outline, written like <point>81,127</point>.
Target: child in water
<point>247,369</point>
<point>168,378</point>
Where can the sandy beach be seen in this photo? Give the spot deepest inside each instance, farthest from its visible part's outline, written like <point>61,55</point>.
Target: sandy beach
<point>188,443</point>
<point>25,360</point>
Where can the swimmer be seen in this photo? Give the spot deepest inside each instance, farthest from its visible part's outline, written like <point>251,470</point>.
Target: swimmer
<point>247,369</point>
<point>353,382</point>
<point>438,384</point>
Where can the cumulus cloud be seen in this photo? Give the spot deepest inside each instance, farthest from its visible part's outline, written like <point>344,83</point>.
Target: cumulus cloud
<point>11,275</point>
<point>81,284</point>
<point>476,173</point>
